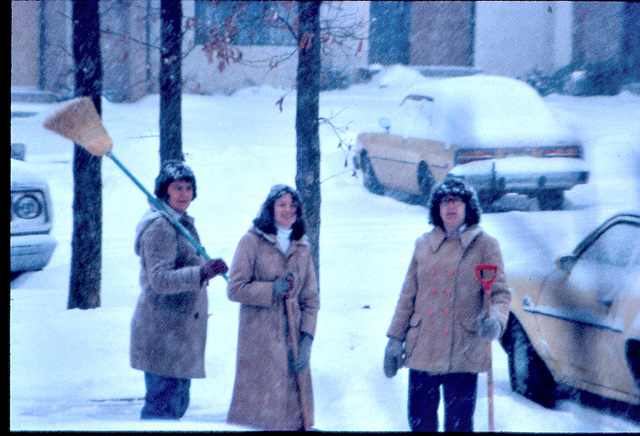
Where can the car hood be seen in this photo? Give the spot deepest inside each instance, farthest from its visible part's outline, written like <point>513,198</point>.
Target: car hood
<point>23,176</point>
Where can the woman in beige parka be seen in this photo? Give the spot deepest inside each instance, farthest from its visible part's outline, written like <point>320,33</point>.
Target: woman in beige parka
<point>273,262</point>
<point>440,329</point>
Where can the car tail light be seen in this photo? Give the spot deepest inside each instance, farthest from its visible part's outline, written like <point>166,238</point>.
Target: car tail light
<point>573,151</point>
<point>466,156</point>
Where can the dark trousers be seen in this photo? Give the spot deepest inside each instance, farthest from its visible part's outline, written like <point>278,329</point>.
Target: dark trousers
<point>166,398</point>
<point>459,391</point>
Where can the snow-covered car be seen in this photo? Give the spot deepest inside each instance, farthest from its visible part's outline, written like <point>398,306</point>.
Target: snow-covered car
<point>579,324</point>
<point>495,132</point>
<point>31,219</point>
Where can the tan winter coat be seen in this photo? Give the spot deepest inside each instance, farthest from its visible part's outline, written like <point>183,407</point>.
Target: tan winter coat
<point>169,325</point>
<point>265,394</point>
<point>441,302</point>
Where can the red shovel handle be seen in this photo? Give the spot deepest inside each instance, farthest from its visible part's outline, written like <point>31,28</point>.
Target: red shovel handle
<point>486,283</point>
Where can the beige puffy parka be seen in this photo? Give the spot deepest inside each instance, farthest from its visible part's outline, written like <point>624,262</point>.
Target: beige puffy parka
<point>265,393</point>
<point>169,325</point>
<point>441,302</point>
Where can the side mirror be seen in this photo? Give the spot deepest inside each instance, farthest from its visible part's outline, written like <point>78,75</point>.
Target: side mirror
<point>18,151</point>
<point>566,263</point>
<point>385,123</point>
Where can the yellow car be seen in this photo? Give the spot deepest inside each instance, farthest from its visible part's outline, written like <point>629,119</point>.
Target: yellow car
<point>579,324</point>
<point>495,132</point>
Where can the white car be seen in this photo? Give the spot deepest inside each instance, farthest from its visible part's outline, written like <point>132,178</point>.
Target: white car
<point>31,219</point>
<point>495,132</point>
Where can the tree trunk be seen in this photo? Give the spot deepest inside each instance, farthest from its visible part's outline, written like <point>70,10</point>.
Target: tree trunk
<point>307,116</point>
<point>86,243</point>
<point>171,81</point>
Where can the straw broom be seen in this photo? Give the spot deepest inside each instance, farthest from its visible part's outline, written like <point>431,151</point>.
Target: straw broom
<point>78,120</point>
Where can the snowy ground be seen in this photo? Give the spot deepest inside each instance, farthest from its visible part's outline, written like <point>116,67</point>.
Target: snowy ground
<point>69,369</point>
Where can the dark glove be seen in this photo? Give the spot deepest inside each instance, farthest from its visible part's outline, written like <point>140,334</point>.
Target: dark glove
<point>282,285</point>
<point>393,357</point>
<point>490,328</point>
<point>212,268</point>
<point>304,353</point>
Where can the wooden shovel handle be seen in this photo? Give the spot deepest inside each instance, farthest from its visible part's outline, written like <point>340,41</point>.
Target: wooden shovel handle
<point>293,335</point>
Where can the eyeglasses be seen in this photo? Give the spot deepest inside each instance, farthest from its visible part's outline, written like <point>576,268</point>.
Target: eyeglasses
<point>453,199</point>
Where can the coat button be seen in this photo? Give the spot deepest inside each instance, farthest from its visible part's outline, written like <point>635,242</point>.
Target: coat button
<point>445,331</point>
<point>450,272</point>
<point>196,315</point>
<point>432,272</point>
<point>447,292</point>
<point>447,311</point>
<point>430,312</point>
<point>433,291</point>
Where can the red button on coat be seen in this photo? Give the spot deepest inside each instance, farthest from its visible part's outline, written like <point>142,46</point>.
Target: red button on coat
<point>430,312</point>
<point>445,331</point>
<point>447,292</point>
<point>447,311</point>
<point>433,292</point>
<point>450,272</point>
<point>432,272</point>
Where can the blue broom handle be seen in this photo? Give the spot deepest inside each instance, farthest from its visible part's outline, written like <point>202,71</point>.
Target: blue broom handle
<point>159,204</point>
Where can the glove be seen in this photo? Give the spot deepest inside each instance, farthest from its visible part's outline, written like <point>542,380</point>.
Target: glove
<point>393,357</point>
<point>304,353</point>
<point>282,286</point>
<point>490,328</point>
<point>212,268</point>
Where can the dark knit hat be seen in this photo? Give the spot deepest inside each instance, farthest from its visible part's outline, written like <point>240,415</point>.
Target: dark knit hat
<point>454,186</point>
<point>170,172</point>
<point>265,220</point>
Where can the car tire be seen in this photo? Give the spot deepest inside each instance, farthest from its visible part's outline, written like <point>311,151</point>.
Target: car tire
<point>550,199</point>
<point>633,359</point>
<point>425,182</point>
<point>528,374</point>
<point>369,178</point>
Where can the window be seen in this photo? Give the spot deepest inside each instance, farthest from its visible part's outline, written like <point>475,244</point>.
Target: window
<point>246,22</point>
<point>617,246</point>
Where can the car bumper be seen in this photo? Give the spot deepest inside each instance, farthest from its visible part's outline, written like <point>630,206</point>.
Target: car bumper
<point>523,174</point>
<point>31,252</point>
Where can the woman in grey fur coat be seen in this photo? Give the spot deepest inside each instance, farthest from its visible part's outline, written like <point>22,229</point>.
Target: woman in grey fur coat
<point>169,325</point>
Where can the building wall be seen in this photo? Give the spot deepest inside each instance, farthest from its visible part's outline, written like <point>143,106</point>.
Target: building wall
<point>562,33</point>
<point>598,31</point>
<point>513,38</point>
<point>441,33</point>
<point>57,52</point>
<point>127,58</point>
<point>509,38</point>
<point>25,44</point>
<point>200,76</point>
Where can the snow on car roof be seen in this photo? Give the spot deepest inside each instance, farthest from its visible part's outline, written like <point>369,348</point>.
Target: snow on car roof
<point>486,110</point>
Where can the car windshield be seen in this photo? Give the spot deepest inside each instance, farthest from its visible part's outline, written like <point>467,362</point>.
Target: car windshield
<point>618,246</point>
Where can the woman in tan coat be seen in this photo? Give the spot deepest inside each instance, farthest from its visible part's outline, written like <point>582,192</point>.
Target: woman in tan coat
<point>440,329</point>
<point>272,263</point>
<point>169,325</point>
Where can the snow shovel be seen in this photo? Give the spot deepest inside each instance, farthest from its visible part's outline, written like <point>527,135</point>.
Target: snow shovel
<point>293,334</point>
<point>78,120</point>
<point>486,287</point>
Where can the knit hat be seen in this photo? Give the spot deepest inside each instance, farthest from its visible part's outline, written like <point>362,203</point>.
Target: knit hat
<point>170,172</point>
<point>454,186</point>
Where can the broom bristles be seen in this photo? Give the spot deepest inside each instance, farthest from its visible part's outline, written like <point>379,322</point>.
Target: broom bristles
<point>78,120</point>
